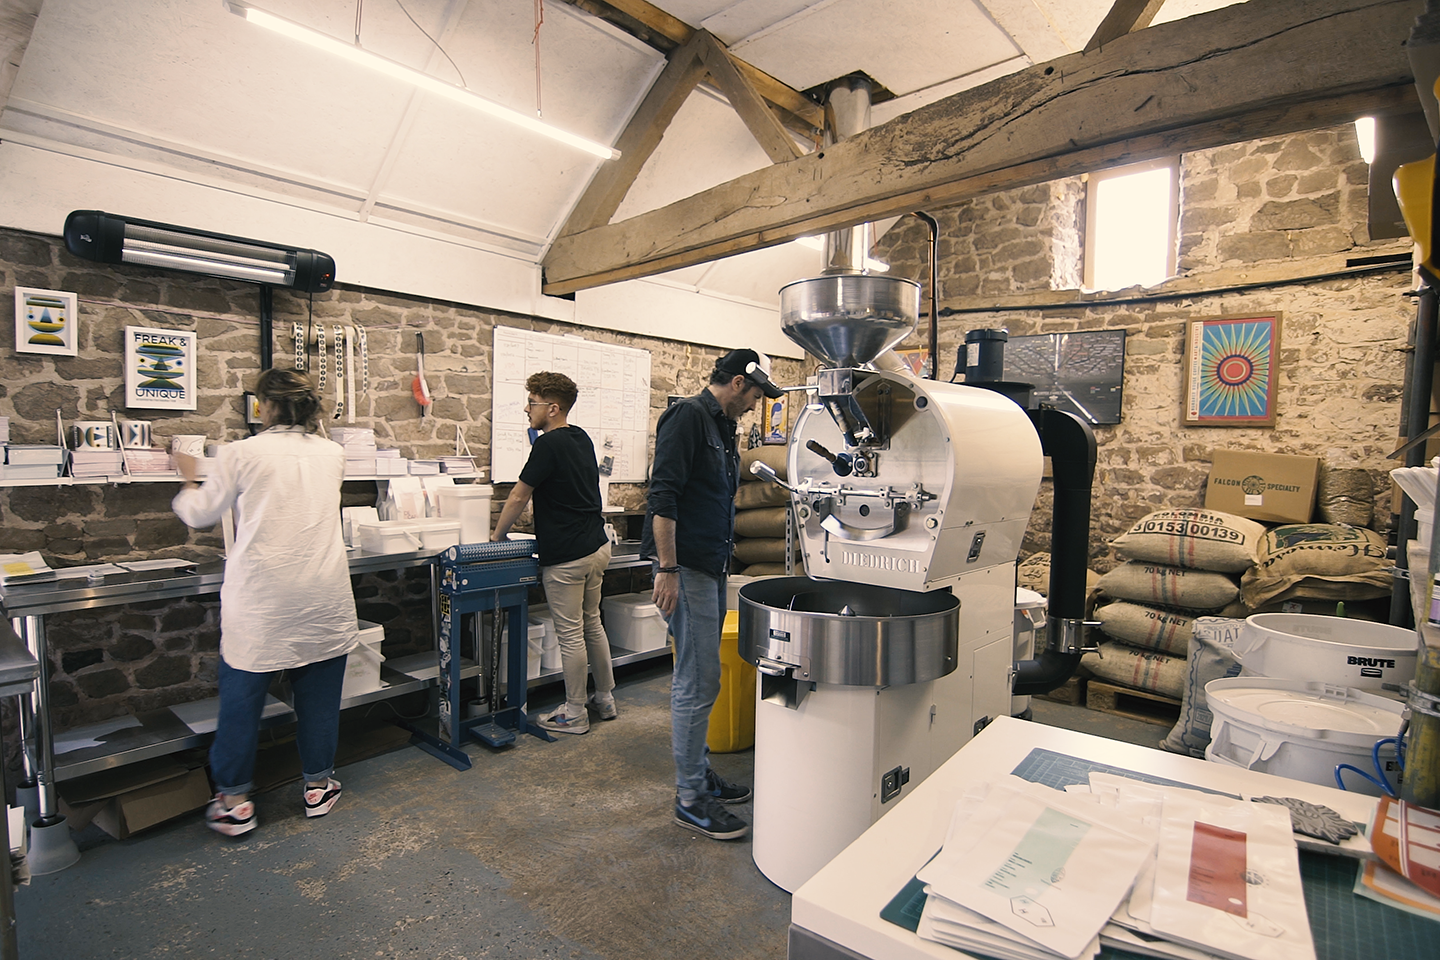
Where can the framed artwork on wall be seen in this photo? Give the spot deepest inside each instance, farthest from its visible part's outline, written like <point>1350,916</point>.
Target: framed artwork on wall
<point>46,321</point>
<point>160,368</point>
<point>1230,371</point>
<point>776,427</point>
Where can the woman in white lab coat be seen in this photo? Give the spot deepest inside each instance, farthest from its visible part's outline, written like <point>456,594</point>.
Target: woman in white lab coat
<point>286,603</point>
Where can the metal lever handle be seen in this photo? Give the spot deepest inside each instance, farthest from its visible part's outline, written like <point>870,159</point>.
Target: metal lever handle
<point>843,462</point>
<point>772,668</point>
<point>766,472</point>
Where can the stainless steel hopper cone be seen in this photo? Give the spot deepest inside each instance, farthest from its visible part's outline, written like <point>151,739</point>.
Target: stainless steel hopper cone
<point>849,319</point>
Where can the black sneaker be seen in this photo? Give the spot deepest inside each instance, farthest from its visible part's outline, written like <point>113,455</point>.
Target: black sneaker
<point>708,817</point>
<point>725,791</point>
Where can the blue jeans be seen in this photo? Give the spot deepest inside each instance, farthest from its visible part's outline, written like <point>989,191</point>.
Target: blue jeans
<point>242,698</point>
<point>695,622</point>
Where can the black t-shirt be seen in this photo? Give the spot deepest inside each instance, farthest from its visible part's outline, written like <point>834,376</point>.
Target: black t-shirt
<point>562,469</point>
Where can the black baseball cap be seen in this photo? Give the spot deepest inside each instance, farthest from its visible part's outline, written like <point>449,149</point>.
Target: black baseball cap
<point>746,363</point>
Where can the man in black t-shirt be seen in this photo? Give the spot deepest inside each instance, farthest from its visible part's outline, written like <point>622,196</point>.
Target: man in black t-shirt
<point>563,477</point>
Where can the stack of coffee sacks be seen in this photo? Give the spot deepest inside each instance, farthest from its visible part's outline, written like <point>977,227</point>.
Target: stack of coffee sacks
<point>1323,568</point>
<point>1180,564</point>
<point>760,516</point>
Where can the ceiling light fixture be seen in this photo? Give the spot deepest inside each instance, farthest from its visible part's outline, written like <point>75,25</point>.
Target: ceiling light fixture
<point>107,238</point>
<point>359,55</point>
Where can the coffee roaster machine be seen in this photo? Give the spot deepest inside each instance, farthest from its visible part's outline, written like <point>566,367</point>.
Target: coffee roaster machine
<point>910,497</point>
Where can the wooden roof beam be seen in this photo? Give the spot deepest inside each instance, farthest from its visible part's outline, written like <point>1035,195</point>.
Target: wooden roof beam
<point>1234,74</point>
<point>1125,17</point>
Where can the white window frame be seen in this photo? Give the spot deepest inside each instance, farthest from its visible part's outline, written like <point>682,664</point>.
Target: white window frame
<point>1092,181</point>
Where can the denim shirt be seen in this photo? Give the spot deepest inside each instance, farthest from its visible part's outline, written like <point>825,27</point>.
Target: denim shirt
<point>693,482</point>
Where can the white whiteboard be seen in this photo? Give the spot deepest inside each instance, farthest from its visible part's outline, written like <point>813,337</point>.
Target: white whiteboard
<point>613,407</point>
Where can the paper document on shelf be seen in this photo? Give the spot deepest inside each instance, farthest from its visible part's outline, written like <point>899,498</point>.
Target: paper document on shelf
<point>1227,880</point>
<point>20,567</point>
<point>95,569</point>
<point>136,566</point>
<point>85,737</point>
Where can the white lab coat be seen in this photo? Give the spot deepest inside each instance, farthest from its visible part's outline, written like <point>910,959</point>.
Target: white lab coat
<point>286,600</point>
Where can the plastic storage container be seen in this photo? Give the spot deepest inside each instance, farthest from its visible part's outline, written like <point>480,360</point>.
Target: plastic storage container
<point>1029,624</point>
<point>1305,646</point>
<point>362,665</point>
<point>535,642</point>
<point>633,623</point>
<point>388,536</point>
<point>470,504</point>
<point>1300,729</point>
<point>732,721</point>
<point>550,650</point>
<point>437,534</point>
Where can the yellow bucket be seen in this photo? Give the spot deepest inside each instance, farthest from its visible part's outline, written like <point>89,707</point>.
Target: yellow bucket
<point>732,721</point>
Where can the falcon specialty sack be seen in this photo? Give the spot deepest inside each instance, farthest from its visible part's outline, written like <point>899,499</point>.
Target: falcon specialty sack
<point>1198,539</point>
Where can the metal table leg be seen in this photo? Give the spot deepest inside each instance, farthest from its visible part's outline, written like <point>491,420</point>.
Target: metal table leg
<point>52,849</point>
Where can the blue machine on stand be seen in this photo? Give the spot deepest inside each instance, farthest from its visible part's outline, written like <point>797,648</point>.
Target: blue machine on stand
<point>476,578</point>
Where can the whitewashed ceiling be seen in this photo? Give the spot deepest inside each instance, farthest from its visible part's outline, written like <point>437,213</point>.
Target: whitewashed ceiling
<point>177,110</point>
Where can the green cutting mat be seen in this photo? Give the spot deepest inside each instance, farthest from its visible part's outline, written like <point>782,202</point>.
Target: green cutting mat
<point>1345,926</point>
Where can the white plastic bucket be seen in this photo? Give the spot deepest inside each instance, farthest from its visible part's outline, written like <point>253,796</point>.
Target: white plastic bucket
<point>1029,619</point>
<point>470,504</point>
<point>1305,646</point>
<point>1300,729</point>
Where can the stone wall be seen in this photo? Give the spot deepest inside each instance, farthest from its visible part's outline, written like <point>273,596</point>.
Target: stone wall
<point>1292,206</point>
<point>118,660</point>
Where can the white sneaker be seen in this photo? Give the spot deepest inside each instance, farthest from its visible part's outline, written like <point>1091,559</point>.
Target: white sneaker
<point>560,721</point>
<point>604,708</point>
<point>319,800</point>
<point>231,821</point>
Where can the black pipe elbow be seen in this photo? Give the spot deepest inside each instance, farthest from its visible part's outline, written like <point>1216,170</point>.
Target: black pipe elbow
<point>1046,672</point>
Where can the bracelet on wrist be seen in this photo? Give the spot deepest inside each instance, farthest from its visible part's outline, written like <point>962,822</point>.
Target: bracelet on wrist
<point>675,569</point>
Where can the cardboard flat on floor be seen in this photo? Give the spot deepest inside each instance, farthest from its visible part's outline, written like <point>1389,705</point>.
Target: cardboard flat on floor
<point>1273,487</point>
<point>130,799</point>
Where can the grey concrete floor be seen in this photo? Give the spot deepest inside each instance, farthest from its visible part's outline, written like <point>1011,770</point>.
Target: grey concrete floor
<point>563,850</point>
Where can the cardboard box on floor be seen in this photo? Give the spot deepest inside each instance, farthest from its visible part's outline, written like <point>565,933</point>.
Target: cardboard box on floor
<point>132,798</point>
<point>1273,487</point>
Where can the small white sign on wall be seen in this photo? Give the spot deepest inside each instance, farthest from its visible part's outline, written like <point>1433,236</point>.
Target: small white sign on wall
<point>160,368</point>
<point>46,321</point>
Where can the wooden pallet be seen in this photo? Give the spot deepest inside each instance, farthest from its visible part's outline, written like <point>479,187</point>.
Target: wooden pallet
<point>1073,692</point>
<point>1129,702</point>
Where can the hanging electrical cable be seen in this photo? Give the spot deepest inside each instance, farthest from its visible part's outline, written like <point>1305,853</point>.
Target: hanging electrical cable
<point>539,22</point>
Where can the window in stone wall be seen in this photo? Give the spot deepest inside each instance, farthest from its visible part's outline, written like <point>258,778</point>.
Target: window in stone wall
<point>1130,218</point>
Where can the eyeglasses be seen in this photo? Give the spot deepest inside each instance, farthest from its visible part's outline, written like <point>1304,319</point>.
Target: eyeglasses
<point>537,403</point>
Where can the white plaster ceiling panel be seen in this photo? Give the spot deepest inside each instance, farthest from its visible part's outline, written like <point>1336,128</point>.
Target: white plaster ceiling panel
<point>906,45</point>
<point>707,127</point>
<point>190,76</point>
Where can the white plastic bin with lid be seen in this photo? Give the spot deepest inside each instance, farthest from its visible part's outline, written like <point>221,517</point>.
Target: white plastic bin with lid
<point>1338,650</point>
<point>437,534</point>
<point>362,665</point>
<point>389,536</point>
<point>633,623</point>
<point>470,504</point>
<point>550,649</point>
<point>535,643</point>
<point>1300,729</point>
<point>1029,624</point>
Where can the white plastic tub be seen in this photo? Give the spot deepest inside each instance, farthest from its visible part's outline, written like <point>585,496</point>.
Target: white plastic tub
<point>388,536</point>
<point>1303,646</point>
<point>633,623</point>
<point>436,533</point>
<point>470,504</point>
<point>1300,729</point>
<point>362,665</point>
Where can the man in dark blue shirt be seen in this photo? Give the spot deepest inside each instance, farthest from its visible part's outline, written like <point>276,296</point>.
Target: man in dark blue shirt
<point>564,477</point>
<point>690,530</point>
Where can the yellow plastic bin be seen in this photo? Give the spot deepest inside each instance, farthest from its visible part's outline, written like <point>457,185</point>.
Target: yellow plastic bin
<point>732,722</point>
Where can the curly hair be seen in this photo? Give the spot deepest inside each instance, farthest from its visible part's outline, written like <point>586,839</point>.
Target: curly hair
<point>553,387</point>
<point>296,401</point>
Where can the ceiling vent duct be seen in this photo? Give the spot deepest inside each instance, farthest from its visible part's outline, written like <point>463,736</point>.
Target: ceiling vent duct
<point>107,238</point>
<point>849,316</point>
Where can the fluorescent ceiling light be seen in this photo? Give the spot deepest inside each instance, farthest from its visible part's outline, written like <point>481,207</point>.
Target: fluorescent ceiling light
<point>1365,134</point>
<point>359,55</point>
<point>817,243</point>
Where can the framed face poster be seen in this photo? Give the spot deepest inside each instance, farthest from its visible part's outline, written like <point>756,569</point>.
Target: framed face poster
<point>160,368</point>
<point>1231,371</point>
<point>777,420</point>
<point>46,321</point>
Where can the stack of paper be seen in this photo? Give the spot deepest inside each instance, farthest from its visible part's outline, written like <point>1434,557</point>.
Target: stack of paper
<point>424,468</point>
<point>1030,872</point>
<point>389,463</point>
<point>33,461</point>
<point>148,461</point>
<point>359,444</point>
<point>4,430</point>
<point>24,567</point>
<point>91,463</point>
<point>462,466</point>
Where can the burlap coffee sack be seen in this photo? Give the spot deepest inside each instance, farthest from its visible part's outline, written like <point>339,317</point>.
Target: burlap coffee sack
<point>1189,537</point>
<point>1147,628</point>
<point>772,455</point>
<point>1169,586</point>
<point>1140,669</point>
<point>760,493</point>
<point>761,522</point>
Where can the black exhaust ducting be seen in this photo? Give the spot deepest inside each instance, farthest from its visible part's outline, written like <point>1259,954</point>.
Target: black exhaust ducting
<point>1070,444</point>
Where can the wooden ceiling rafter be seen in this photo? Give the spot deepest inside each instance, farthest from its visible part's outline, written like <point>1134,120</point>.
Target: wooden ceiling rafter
<point>1125,17</point>
<point>1217,78</point>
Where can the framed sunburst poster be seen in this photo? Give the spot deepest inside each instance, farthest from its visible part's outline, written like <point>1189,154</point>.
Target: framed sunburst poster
<point>46,321</point>
<point>1231,371</point>
<point>160,368</point>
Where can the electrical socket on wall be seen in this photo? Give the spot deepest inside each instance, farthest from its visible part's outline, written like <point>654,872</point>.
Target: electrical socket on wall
<point>252,408</point>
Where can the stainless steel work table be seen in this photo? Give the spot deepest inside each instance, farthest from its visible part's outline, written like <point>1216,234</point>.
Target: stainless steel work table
<point>101,746</point>
<point>18,670</point>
